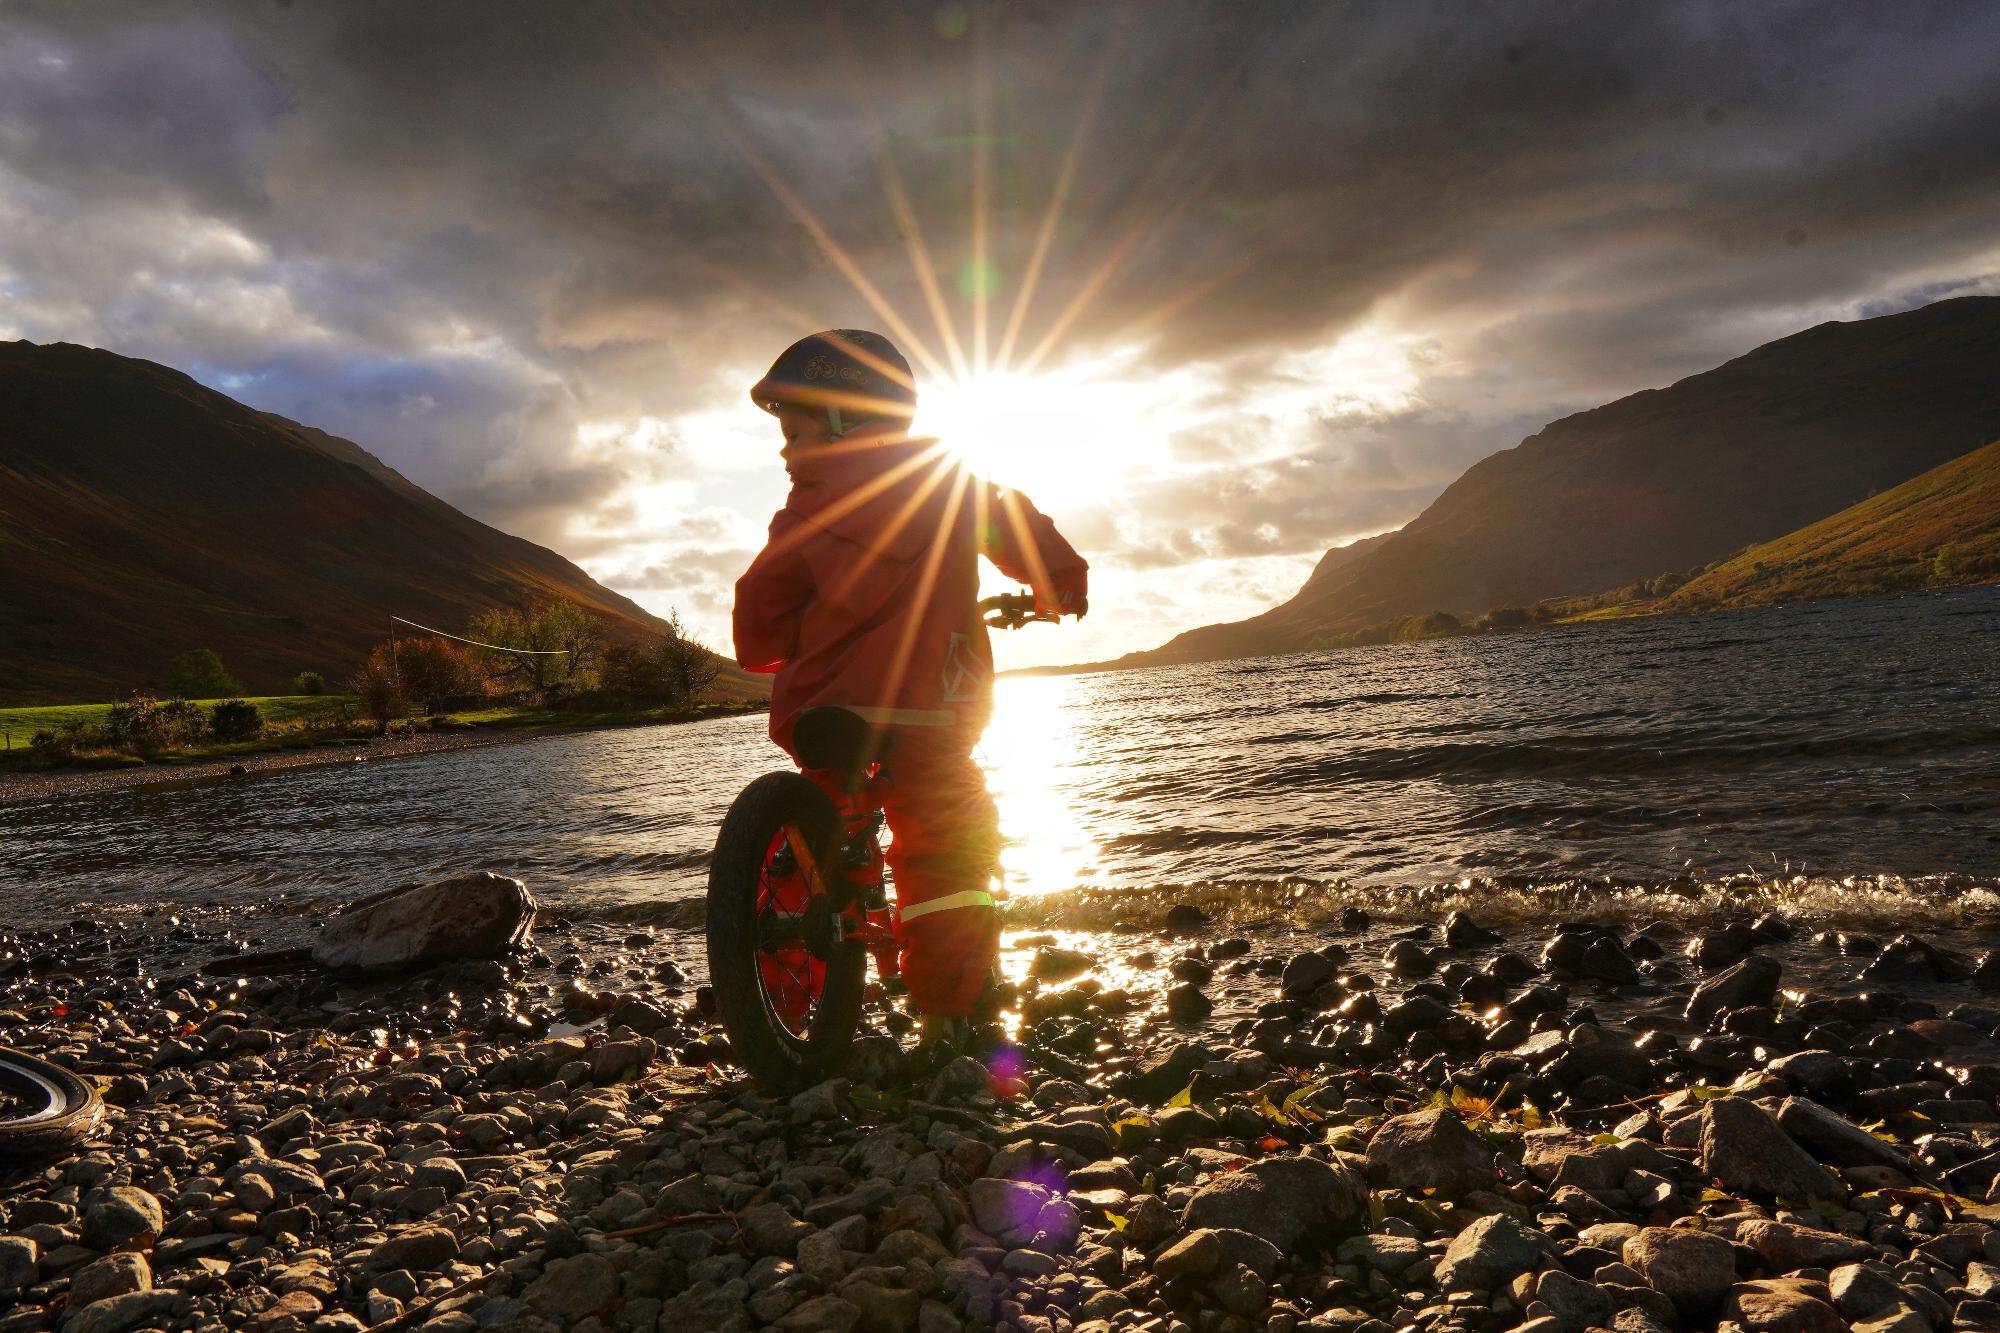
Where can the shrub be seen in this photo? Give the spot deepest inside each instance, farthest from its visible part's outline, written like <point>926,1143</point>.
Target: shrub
<point>200,675</point>
<point>236,720</point>
<point>1944,569</point>
<point>149,726</point>
<point>56,747</point>
<point>308,682</point>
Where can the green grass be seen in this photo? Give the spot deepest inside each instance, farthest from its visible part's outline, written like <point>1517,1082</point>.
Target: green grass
<point>17,725</point>
<point>286,712</point>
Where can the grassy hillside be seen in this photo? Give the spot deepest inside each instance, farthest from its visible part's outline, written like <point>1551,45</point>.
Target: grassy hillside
<point>1936,530</point>
<point>1671,478</point>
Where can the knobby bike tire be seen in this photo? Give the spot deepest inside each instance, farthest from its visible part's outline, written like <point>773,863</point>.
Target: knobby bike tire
<point>761,1042</point>
<point>60,1110</point>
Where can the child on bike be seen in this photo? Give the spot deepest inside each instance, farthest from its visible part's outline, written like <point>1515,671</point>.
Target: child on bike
<point>866,597</point>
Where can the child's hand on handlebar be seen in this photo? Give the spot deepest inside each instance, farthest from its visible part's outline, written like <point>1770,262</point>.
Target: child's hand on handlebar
<point>1066,603</point>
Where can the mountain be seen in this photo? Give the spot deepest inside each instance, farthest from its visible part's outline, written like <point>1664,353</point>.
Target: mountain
<point>142,515</point>
<point>1670,478</point>
<point>1940,528</point>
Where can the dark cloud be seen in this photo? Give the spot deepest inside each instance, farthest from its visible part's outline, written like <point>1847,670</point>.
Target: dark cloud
<point>458,232</point>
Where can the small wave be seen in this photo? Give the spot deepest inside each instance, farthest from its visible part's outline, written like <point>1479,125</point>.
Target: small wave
<point>1614,753</point>
<point>1885,902</point>
<point>1180,839</point>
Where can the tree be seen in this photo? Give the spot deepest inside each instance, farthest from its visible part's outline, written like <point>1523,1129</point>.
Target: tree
<point>431,670</point>
<point>308,682</point>
<point>1944,569</point>
<point>691,668</point>
<point>200,675</point>
<point>376,686</point>
<point>665,671</point>
<point>548,648</point>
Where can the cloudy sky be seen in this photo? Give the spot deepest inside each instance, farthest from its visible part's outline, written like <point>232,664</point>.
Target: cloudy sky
<point>1220,285</point>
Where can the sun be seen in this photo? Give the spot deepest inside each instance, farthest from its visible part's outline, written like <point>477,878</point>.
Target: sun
<point>1065,439</point>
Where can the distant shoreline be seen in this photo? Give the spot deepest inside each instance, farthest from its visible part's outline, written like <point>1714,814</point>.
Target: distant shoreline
<point>30,786</point>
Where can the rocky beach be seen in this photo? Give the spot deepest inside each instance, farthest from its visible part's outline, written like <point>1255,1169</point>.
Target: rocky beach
<point>1398,1123</point>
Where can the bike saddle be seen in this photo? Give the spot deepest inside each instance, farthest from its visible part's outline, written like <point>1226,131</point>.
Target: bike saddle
<point>838,739</point>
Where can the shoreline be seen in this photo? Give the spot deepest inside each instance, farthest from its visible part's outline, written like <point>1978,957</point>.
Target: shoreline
<point>1388,1126</point>
<point>28,786</point>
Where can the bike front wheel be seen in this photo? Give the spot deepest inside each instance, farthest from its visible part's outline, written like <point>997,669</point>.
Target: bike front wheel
<point>787,991</point>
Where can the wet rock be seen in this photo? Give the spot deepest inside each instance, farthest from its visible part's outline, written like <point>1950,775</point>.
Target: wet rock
<point>1186,1004</point>
<point>1186,916</point>
<point>1462,932</point>
<point>1722,947</point>
<point>481,915</point>
<point>1693,1269</point>
<point>1054,964</point>
<point>1786,1247</point>
<point>1754,981</point>
<point>1284,1200</point>
<point>1306,973</point>
<point>1487,1254</point>
<point>1743,1147</point>
<point>1606,960</point>
<point>1784,1305</point>
<point>116,1214</point>
<point>1907,959</point>
<point>1429,1149</point>
<point>1407,958</point>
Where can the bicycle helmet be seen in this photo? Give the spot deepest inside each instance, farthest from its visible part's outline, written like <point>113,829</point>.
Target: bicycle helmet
<point>852,374</point>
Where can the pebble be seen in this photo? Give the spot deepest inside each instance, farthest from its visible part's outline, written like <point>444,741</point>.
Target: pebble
<point>1350,1148</point>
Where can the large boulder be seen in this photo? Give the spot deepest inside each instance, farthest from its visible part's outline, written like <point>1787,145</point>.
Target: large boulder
<point>1429,1149</point>
<point>1743,1147</point>
<point>481,915</point>
<point>1286,1200</point>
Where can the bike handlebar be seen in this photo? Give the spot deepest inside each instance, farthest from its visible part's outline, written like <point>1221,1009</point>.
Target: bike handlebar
<point>1011,610</point>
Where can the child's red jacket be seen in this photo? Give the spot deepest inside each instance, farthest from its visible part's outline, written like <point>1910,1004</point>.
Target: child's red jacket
<point>866,595</point>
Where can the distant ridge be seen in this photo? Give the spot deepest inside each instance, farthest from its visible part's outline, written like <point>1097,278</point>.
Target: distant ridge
<point>1671,478</point>
<point>143,514</point>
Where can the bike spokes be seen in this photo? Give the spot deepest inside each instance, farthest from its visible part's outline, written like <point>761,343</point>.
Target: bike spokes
<point>793,977</point>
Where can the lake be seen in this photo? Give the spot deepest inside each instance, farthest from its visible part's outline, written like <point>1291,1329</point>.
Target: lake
<point>1846,754</point>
